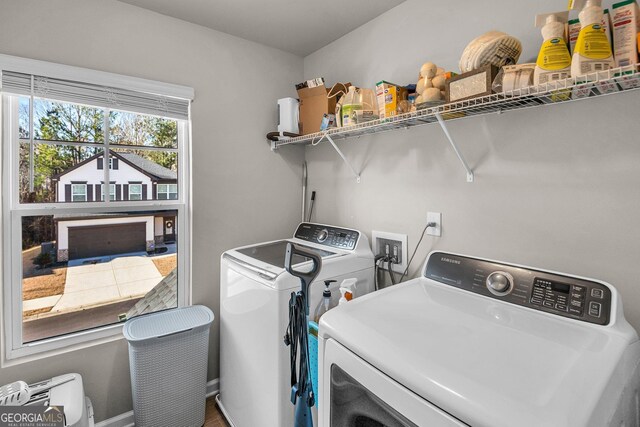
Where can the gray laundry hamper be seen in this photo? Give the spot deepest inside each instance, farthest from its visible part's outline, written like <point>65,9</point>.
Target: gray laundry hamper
<point>168,354</point>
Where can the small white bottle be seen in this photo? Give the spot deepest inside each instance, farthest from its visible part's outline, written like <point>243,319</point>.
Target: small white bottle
<point>592,52</point>
<point>325,304</point>
<point>554,59</point>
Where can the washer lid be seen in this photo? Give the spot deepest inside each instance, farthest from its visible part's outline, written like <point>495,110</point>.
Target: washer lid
<point>486,362</point>
<point>273,253</point>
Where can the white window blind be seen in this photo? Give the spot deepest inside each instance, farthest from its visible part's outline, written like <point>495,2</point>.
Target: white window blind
<point>94,95</point>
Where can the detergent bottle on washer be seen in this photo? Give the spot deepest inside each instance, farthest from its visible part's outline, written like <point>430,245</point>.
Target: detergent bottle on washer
<point>325,304</point>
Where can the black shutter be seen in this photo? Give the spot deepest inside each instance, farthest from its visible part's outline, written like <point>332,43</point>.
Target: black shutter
<point>67,192</point>
<point>114,163</point>
<point>144,191</point>
<point>98,192</point>
<point>118,191</point>
<point>125,192</point>
<point>100,163</point>
<point>89,193</point>
<point>154,192</point>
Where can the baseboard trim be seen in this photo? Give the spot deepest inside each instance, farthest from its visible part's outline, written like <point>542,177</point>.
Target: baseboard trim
<point>127,419</point>
<point>213,387</point>
<point>122,420</point>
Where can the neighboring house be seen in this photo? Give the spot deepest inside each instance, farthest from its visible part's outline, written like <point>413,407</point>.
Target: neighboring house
<point>132,177</point>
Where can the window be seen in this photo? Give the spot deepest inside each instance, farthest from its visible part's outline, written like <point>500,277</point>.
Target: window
<point>57,136</point>
<point>167,191</point>
<point>135,191</point>
<point>112,192</point>
<point>78,192</point>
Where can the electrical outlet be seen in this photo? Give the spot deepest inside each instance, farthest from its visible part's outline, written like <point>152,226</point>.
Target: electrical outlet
<point>437,218</point>
<point>393,245</point>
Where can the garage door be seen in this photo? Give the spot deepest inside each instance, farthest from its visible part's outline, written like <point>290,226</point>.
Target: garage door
<point>101,240</point>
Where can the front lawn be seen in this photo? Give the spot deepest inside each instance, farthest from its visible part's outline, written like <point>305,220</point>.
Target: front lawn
<point>166,265</point>
<point>46,285</point>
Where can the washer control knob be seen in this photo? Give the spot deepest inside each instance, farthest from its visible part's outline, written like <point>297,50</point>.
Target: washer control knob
<point>322,235</point>
<point>500,283</point>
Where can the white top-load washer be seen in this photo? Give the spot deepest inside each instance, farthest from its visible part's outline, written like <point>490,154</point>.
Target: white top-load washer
<point>255,381</point>
<point>481,343</point>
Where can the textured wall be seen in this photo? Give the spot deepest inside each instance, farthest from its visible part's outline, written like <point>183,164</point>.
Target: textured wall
<point>242,193</point>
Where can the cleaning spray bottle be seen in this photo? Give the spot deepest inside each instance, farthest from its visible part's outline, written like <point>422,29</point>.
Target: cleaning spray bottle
<point>593,50</point>
<point>554,59</point>
<point>325,303</point>
<point>347,289</point>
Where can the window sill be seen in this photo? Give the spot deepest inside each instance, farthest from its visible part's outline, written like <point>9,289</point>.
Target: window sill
<point>60,345</point>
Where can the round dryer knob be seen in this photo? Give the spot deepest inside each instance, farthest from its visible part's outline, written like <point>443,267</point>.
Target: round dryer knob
<point>500,283</point>
<point>322,235</point>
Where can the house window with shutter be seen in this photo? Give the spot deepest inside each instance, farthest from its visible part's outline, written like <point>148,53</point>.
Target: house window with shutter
<point>64,138</point>
<point>135,191</point>
<point>78,192</point>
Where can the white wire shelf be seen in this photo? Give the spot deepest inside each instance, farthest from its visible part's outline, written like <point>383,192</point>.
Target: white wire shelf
<point>598,84</point>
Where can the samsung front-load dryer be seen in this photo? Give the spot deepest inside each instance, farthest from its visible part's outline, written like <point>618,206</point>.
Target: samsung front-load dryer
<point>480,343</point>
<point>255,380</point>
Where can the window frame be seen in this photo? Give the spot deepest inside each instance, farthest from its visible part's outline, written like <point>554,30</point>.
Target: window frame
<point>168,192</point>
<point>111,185</point>
<point>15,351</point>
<point>138,184</point>
<point>78,184</point>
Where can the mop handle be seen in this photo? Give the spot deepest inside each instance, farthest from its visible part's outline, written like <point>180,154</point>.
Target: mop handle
<point>306,277</point>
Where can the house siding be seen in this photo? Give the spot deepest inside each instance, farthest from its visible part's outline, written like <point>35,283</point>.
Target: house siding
<point>90,173</point>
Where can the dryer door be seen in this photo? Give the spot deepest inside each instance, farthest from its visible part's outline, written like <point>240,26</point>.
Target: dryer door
<point>355,394</point>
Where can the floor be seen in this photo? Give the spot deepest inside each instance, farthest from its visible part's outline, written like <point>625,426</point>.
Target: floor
<point>213,417</point>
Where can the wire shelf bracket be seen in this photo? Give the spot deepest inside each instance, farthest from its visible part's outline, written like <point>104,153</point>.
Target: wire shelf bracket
<point>344,158</point>
<point>466,167</point>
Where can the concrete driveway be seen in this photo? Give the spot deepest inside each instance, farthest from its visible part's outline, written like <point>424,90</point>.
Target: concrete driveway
<point>120,278</point>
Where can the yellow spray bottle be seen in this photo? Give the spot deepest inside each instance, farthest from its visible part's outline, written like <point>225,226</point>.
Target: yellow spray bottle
<point>593,49</point>
<point>554,59</point>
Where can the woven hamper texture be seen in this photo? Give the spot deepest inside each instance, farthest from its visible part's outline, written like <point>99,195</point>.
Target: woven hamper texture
<point>169,378</point>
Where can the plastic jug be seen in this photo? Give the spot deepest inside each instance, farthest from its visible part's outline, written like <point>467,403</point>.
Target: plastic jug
<point>350,105</point>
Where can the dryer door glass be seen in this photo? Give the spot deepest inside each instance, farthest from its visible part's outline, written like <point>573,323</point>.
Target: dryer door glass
<point>352,405</point>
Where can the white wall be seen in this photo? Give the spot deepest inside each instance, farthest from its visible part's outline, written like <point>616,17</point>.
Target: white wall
<point>242,193</point>
<point>557,187</point>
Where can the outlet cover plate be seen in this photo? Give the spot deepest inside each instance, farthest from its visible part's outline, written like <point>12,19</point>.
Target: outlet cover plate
<point>437,218</point>
<point>376,237</point>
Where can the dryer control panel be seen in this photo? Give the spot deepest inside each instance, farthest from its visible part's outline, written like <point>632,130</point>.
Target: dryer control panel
<point>335,237</point>
<point>563,295</point>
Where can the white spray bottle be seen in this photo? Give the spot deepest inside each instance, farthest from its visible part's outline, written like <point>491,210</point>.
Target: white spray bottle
<point>347,289</point>
<point>554,59</point>
<point>593,50</point>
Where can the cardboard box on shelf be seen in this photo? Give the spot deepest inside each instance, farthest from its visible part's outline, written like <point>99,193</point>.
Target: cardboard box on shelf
<point>471,84</point>
<point>389,96</point>
<point>315,104</point>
